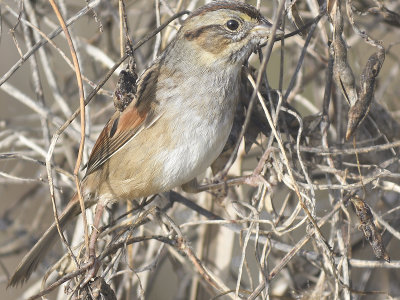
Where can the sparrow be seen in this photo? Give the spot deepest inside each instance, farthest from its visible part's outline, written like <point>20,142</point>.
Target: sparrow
<point>179,121</point>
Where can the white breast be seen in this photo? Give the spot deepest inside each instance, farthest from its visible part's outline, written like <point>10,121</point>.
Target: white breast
<point>199,127</point>
<point>195,149</point>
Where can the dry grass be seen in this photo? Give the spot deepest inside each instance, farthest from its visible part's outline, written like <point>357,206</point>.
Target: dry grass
<point>320,219</point>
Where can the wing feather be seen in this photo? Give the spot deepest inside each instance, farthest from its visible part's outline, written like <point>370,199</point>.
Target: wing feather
<point>120,129</point>
<point>125,125</point>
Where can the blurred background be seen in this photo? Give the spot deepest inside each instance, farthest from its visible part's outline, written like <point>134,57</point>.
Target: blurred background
<point>337,76</point>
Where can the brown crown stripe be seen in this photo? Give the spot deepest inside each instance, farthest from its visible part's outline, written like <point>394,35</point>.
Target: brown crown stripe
<point>242,7</point>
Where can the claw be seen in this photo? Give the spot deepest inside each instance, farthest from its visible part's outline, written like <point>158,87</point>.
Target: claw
<point>92,271</point>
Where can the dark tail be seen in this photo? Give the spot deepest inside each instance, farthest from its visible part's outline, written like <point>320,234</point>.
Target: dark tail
<point>31,260</point>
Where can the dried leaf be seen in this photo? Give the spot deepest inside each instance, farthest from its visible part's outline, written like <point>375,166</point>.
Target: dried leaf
<point>342,72</point>
<point>359,111</point>
<point>368,227</point>
<point>294,16</point>
<point>125,91</point>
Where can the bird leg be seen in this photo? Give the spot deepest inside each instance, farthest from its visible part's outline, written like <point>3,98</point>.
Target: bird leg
<point>92,244</point>
<point>191,186</point>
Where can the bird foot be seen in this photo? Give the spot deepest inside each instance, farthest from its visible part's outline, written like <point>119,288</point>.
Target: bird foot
<point>92,271</point>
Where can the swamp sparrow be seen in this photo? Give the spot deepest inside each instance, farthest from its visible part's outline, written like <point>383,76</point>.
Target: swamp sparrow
<point>179,121</point>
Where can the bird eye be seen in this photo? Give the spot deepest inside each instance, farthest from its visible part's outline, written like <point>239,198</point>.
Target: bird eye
<point>232,24</point>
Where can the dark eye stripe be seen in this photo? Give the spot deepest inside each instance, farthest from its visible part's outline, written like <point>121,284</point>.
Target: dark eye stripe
<point>193,34</point>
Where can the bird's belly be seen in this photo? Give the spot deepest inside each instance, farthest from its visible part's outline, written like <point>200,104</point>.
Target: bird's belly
<point>196,147</point>
<point>164,159</point>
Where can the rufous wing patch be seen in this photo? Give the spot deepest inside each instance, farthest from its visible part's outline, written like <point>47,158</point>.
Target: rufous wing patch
<point>118,131</point>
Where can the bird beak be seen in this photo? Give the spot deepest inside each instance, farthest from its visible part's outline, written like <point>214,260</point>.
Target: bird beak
<point>264,31</point>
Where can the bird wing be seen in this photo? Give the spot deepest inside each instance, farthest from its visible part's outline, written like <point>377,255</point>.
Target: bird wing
<point>124,126</point>
<point>121,128</point>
